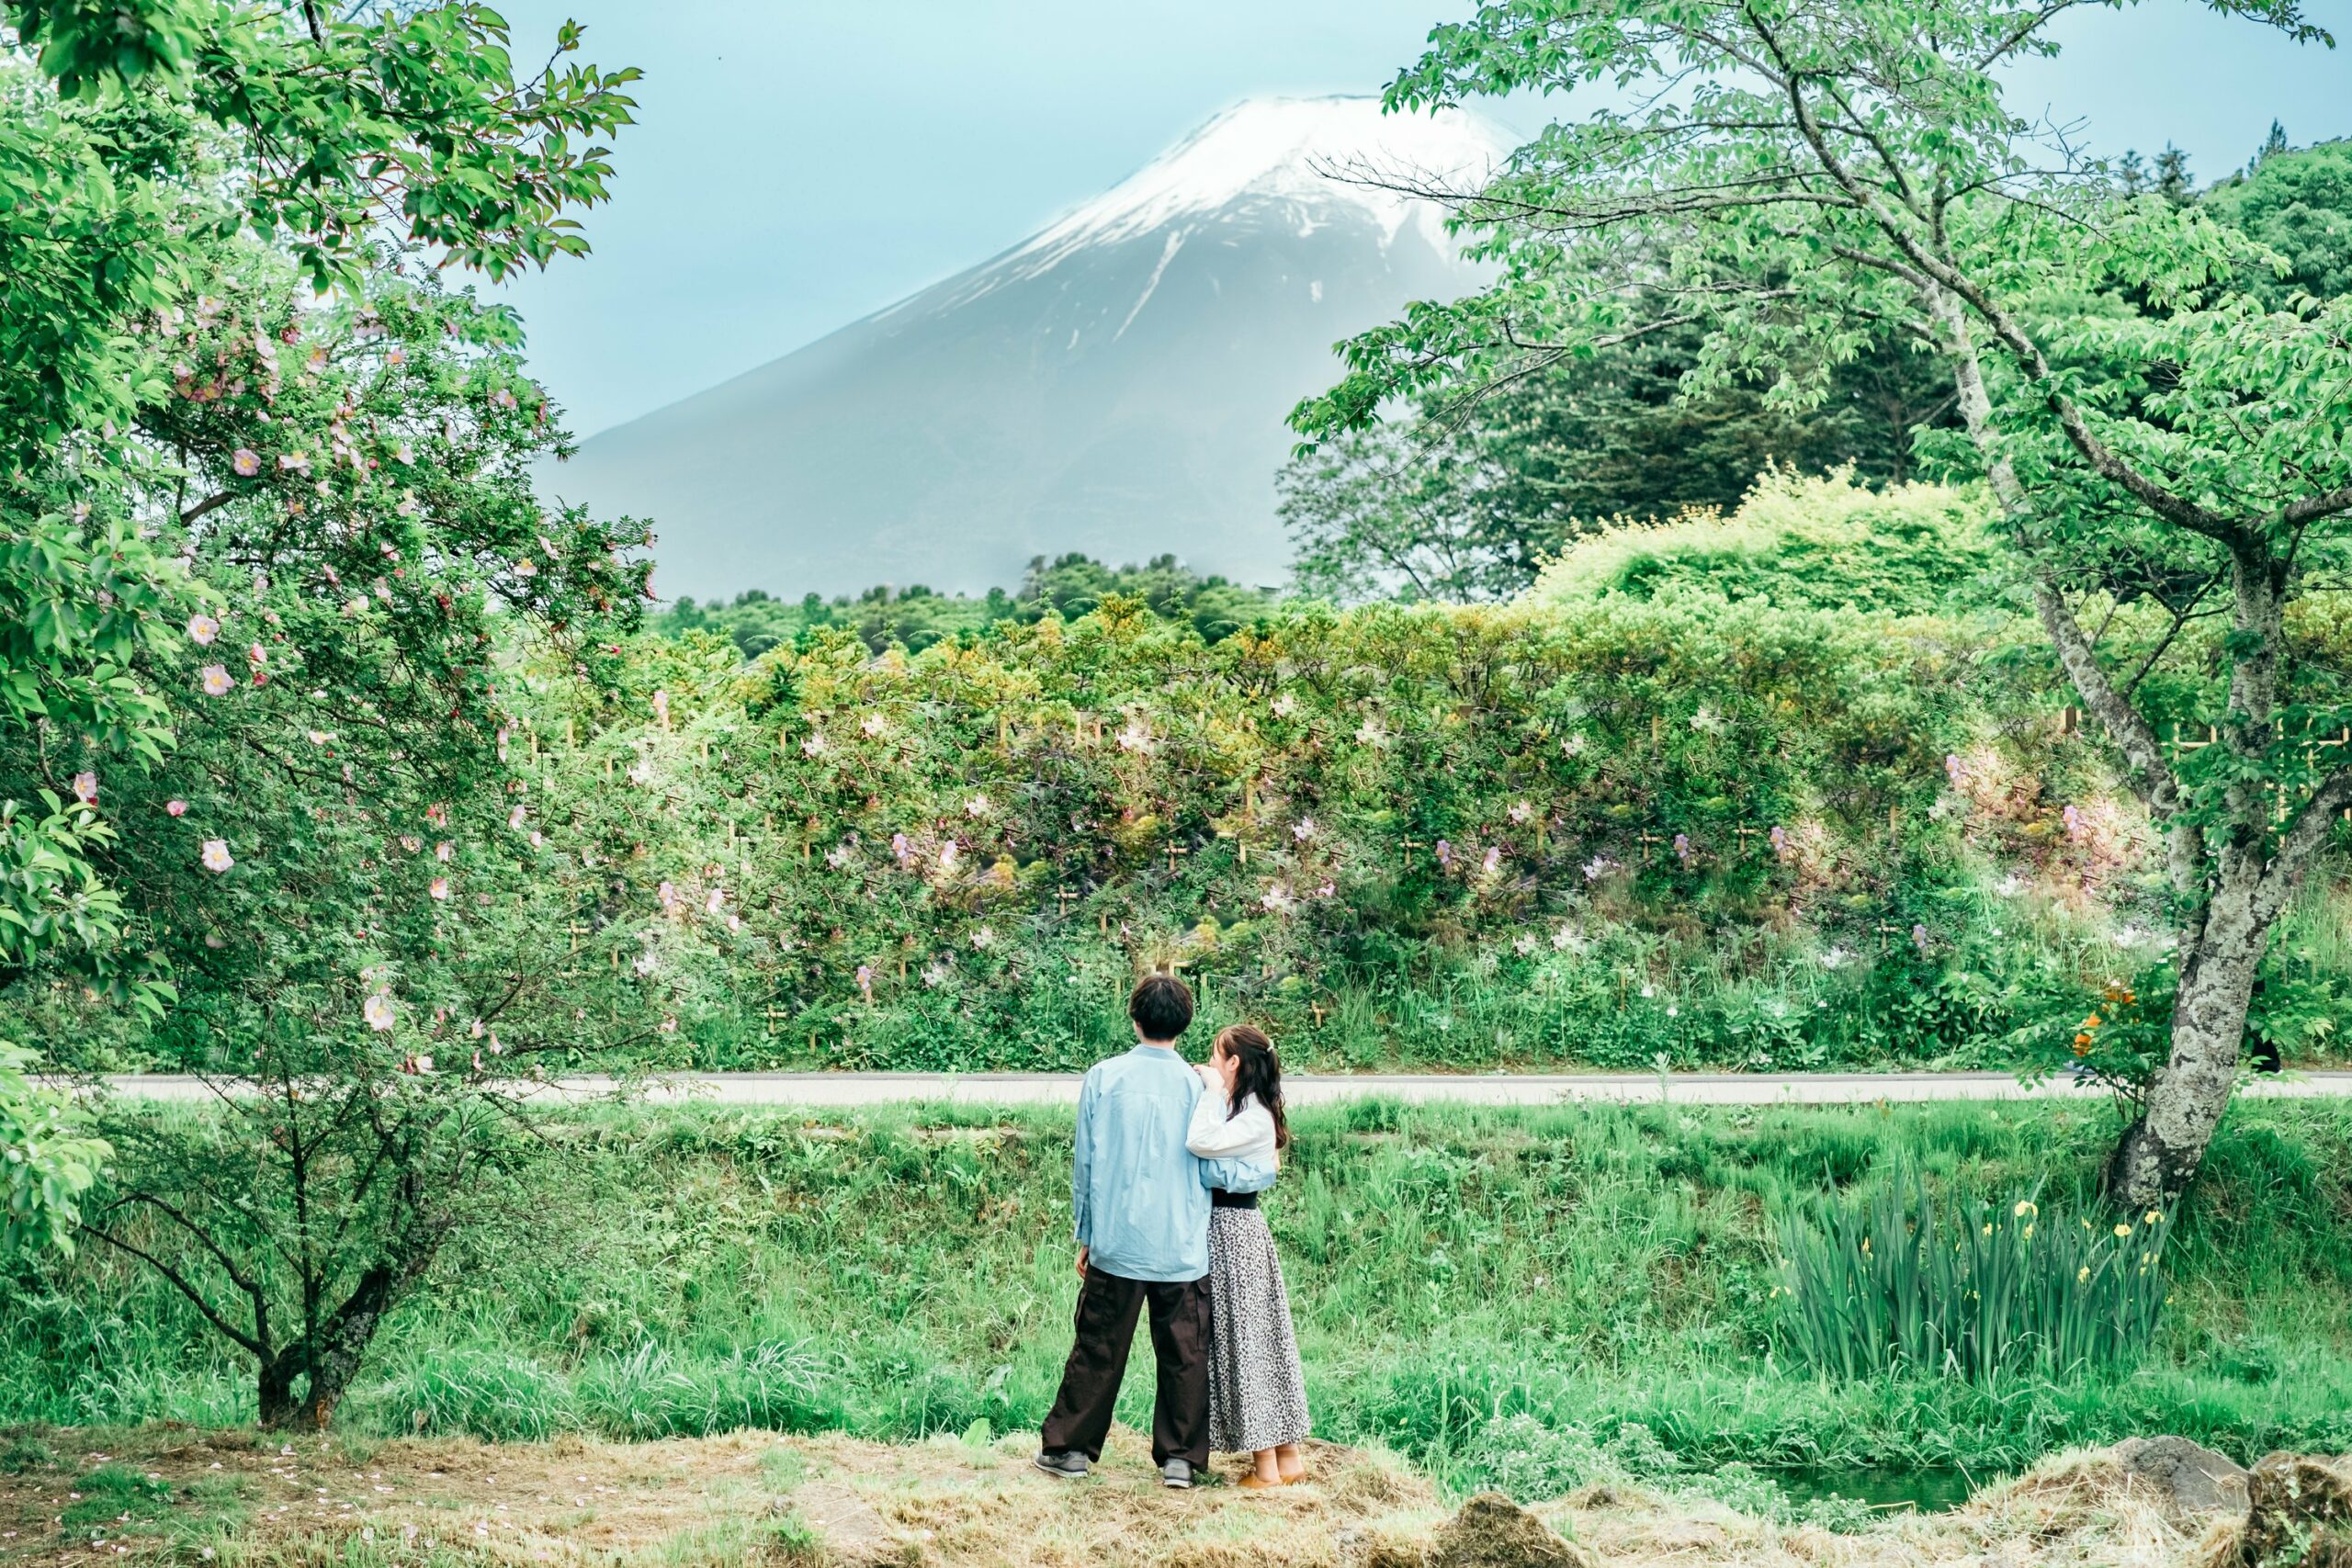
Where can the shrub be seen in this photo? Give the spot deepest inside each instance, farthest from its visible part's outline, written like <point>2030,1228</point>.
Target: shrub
<point>1824,542</point>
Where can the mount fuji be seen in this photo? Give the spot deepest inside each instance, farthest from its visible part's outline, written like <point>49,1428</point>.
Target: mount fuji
<point>1115,384</point>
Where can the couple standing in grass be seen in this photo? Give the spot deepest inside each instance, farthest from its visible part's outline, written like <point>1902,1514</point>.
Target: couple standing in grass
<point>1168,1165</point>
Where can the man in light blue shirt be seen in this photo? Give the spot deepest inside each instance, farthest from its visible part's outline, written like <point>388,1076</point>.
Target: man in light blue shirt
<point>1143,1239</point>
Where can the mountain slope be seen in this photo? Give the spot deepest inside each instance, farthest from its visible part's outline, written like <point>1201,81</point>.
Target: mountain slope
<point>1115,384</point>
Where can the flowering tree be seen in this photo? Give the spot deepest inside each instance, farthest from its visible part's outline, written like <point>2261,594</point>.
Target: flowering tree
<point>396,121</point>
<point>281,573</point>
<point>2165,449</point>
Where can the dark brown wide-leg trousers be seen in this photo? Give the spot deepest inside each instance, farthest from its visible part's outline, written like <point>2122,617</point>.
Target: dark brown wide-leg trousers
<point>1107,1308</point>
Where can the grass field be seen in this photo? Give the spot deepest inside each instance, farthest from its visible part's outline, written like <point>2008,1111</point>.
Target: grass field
<point>1539,1297</point>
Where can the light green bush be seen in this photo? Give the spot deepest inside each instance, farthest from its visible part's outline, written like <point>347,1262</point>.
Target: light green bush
<point>1821,541</point>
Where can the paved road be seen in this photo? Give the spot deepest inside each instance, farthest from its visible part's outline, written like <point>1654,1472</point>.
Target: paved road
<point>1306,1089</point>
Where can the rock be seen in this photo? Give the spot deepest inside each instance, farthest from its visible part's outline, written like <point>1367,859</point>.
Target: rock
<point>2299,1513</point>
<point>2196,1478</point>
<point>1492,1532</point>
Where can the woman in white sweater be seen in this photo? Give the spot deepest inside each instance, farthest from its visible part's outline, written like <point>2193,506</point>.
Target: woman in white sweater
<point>1257,1392</point>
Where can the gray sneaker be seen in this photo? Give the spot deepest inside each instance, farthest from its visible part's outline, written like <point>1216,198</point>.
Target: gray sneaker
<point>1067,1464</point>
<point>1177,1474</point>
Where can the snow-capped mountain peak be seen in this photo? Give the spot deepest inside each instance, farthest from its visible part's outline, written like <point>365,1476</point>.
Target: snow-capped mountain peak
<point>1277,150</point>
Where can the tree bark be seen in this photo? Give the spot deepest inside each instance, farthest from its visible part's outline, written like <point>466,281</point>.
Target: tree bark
<point>2160,1152</point>
<point>275,1388</point>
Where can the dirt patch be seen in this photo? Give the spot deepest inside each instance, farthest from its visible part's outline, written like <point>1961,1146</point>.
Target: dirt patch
<point>237,1501</point>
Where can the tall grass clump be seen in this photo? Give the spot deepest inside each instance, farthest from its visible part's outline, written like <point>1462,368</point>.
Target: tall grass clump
<point>1893,1280</point>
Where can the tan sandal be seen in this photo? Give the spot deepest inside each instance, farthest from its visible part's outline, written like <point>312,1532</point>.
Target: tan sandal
<point>1253,1481</point>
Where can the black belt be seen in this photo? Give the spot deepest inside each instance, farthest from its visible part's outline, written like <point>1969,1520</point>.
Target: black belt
<point>1220,1199</point>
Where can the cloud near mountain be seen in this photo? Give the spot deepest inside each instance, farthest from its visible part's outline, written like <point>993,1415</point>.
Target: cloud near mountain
<point>1115,384</point>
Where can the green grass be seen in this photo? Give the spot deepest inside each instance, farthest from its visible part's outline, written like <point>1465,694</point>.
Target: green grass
<point>1604,1273</point>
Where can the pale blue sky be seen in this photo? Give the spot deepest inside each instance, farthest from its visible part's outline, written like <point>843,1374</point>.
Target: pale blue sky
<point>799,164</point>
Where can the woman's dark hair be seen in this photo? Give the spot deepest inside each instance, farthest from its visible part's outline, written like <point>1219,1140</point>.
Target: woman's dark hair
<point>1161,1006</point>
<point>1256,1071</point>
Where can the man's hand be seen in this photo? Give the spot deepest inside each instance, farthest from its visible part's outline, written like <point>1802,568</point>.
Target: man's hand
<point>1081,1262</point>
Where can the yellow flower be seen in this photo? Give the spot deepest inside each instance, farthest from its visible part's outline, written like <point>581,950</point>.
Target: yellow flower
<point>2024,1208</point>
<point>2124,1230</point>
<point>2026,1234</point>
<point>2082,1274</point>
<point>1989,1227</point>
<point>2155,1218</point>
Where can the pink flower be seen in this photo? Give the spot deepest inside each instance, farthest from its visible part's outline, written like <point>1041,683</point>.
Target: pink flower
<point>1494,859</point>
<point>440,890</point>
<point>1780,841</point>
<point>1682,848</point>
<point>1302,829</point>
<point>247,461</point>
<point>1445,853</point>
<point>442,850</point>
<point>527,567</point>
<point>515,817</point>
<point>175,808</point>
<point>216,681</point>
<point>215,857</point>
<point>438,813</point>
<point>202,629</point>
<point>710,906</point>
<point>411,842</point>
<point>294,462</point>
<point>865,981</point>
<point>977,807</point>
<point>874,725</point>
<point>404,453</point>
<point>1520,811</point>
<point>256,654</point>
<point>661,707</point>
<point>378,1010</point>
<point>85,789</point>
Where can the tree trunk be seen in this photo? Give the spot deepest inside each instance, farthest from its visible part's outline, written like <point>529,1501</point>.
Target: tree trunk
<point>2160,1152</point>
<point>276,1390</point>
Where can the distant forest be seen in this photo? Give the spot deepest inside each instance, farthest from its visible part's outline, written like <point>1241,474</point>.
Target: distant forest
<point>916,617</point>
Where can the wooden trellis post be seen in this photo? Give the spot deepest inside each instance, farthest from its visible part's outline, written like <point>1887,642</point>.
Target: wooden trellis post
<point>1743,832</point>
<point>1065,896</point>
<point>1648,840</point>
<point>1409,845</point>
<point>2212,737</point>
<point>776,1015</point>
<point>1174,851</point>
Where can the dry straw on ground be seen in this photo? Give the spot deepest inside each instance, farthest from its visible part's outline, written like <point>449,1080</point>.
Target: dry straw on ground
<point>755,1498</point>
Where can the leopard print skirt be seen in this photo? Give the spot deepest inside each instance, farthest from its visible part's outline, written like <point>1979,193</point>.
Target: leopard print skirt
<point>1257,1392</point>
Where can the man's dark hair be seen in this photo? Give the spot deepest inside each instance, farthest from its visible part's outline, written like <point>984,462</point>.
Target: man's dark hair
<point>1161,1006</point>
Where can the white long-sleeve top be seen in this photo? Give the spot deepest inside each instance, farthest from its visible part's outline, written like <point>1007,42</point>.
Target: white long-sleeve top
<point>1246,1135</point>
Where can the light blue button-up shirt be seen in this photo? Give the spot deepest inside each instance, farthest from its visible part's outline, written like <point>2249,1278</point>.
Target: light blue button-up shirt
<point>1141,1205</point>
